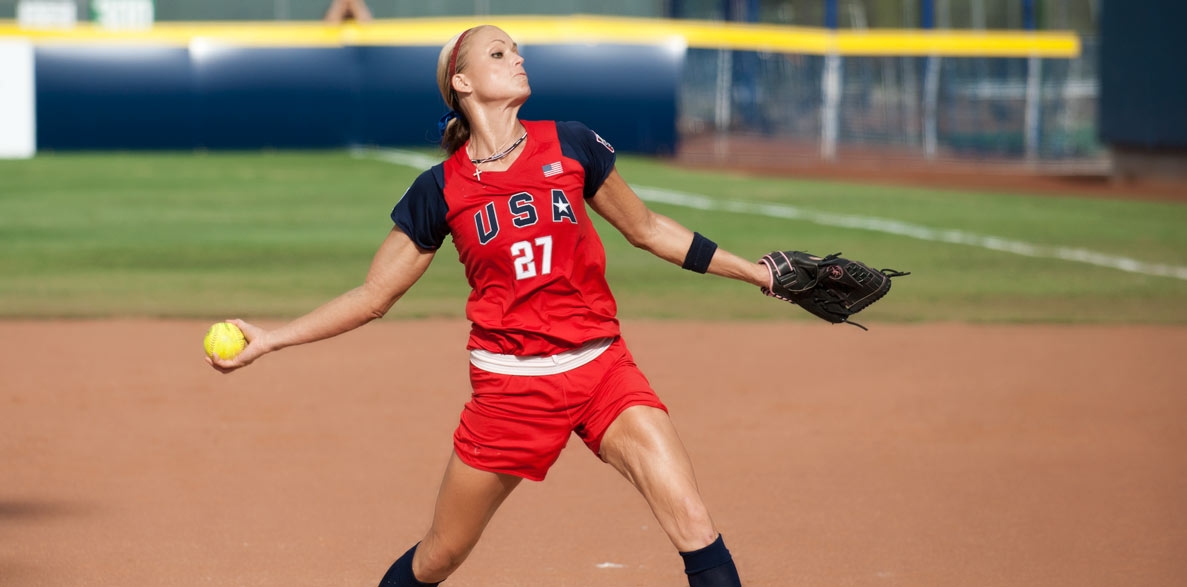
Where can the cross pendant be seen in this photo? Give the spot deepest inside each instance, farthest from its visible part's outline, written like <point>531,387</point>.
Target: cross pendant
<point>477,174</point>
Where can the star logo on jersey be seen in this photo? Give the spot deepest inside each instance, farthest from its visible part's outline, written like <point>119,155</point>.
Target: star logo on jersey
<point>562,208</point>
<point>552,169</point>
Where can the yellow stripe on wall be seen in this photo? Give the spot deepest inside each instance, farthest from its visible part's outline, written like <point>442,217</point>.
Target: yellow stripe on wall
<point>585,29</point>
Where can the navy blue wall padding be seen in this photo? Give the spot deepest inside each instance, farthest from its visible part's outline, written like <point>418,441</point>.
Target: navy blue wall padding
<point>626,94</point>
<point>1143,80</point>
<point>267,97</point>
<point>114,97</point>
<point>226,97</point>
<point>399,100</point>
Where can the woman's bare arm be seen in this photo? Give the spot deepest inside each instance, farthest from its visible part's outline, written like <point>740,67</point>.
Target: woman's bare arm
<point>397,265</point>
<point>662,236</point>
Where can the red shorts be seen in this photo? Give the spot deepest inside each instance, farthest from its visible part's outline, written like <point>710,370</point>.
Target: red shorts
<point>517,425</point>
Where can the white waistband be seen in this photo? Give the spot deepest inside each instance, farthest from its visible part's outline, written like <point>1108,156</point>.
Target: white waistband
<point>532,366</point>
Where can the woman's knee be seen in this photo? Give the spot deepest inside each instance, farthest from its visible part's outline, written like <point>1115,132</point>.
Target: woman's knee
<point>437,559</point>
<point>693,524</point>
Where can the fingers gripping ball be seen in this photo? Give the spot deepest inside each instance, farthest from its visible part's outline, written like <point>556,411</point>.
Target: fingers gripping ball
<point>833,288</point>
<point>224,340</point>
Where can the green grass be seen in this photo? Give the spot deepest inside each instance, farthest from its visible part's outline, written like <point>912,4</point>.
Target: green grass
<point>274,234</point>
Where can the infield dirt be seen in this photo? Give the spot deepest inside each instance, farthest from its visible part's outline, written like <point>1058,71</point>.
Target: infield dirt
<point>920,455</point>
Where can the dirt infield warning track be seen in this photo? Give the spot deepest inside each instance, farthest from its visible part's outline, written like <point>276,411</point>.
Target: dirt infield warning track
<point>881,165</point>
<point>910,455</point>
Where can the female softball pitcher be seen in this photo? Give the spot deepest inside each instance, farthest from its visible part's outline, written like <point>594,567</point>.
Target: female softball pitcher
<point>546,355</point>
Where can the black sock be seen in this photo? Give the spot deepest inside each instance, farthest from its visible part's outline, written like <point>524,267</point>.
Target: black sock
<point>400,574</point>
<point>711,566</point>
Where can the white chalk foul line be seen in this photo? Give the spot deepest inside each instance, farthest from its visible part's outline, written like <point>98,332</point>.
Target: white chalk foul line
<point>913,231</point>
<point>650,194</point>
<point>398,157</point>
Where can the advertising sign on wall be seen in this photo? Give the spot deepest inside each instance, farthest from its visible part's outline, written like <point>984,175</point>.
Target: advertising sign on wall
<point>123,14</point>
<point>45,14</point>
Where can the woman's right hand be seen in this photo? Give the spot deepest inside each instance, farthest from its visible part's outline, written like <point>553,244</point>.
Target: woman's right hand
<point>397,265</point>
<point>255,348</point>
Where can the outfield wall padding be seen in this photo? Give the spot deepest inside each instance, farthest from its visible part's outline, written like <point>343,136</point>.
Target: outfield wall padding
<point>137,96</point>
<point>1143,80</point>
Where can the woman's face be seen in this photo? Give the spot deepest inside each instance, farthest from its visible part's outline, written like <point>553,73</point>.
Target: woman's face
<point>494,69</point>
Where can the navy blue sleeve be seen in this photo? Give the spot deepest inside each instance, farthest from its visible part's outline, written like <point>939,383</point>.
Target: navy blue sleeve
<point>421,212</point>
<point>595,154</point>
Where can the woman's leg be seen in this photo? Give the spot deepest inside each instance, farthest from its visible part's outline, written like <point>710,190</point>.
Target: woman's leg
<point>643,445</point>
<point>466,501</point>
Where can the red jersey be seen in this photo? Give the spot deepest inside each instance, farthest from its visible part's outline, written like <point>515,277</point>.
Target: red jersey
<point>535,264</point>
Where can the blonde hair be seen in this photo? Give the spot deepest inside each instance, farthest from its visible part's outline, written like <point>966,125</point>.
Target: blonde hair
<point>451,61</point>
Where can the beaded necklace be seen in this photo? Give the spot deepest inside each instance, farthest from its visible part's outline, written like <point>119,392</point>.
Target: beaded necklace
<point>502,153</point>
<point>496,156</point>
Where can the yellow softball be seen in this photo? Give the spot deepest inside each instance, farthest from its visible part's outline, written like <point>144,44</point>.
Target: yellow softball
<point>224,340</point>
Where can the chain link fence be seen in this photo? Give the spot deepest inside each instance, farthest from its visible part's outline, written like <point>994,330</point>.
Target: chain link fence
<point>914,108</point>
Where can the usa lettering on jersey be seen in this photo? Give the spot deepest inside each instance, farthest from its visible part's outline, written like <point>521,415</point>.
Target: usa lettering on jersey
<point>523,213</point>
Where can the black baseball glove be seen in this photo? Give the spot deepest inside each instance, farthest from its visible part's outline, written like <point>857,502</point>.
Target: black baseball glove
<point>833,287</point>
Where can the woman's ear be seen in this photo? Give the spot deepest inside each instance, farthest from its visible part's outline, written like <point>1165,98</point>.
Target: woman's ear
<point>460,83</point>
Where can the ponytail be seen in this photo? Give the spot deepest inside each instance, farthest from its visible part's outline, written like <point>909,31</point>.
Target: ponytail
<point>454,126</point>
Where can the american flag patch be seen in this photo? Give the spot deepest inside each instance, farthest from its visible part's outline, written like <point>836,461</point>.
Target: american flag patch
<point>552,169</point>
